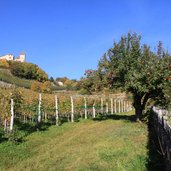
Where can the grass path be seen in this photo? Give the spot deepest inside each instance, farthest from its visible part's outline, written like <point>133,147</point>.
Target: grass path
<point>112,144</point>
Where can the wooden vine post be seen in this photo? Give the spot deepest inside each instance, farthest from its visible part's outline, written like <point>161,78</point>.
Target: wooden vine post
<point>122,106</point>
<point>101,105</point>
<point>107,109</point>
<point>56,111</point>
<point>119,107</point>
<point>94,110</point>
<point>39,108</point>
<point>85,108</point>
<point>12,115</point>
<point>115,106</point>
<point>72,110</point>
<point>127,106</point>
<point>111,100</point>
<point>45,117</point>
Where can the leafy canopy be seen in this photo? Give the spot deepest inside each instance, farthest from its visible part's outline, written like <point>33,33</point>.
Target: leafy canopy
<point>135,68</point>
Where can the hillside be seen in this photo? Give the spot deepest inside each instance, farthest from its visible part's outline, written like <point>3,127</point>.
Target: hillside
<point>7,77</point>
<point>114,143</point>
<point>27,75</point>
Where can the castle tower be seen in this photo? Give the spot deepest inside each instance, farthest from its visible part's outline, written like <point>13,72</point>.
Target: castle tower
<point>21,58</point>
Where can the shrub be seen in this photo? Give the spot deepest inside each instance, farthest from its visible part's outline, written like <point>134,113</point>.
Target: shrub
<point>83,91</point>
<point>4,63</point>
<point>15,136</point>
<point>41,87</point>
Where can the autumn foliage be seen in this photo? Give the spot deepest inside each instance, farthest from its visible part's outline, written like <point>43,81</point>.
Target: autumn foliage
<point>41,87</point>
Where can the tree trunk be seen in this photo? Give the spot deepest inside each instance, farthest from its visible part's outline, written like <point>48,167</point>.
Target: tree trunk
<point>138,113</point>
<point>138,107</point>
<point>140,101</point>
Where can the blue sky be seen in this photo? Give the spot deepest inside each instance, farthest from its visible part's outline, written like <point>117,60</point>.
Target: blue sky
<point>66,37</point>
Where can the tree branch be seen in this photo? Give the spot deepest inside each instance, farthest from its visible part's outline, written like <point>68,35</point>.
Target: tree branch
<point>145,99</point>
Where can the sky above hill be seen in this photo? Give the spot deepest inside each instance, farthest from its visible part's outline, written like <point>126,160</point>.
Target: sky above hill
<point>66,37</point>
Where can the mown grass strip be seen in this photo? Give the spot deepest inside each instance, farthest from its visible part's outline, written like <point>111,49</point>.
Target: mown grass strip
<point>114,143</point>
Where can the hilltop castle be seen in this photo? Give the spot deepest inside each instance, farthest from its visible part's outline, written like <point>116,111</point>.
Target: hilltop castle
<point>9,57</point>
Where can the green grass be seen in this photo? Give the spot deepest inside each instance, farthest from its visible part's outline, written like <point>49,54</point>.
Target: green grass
<point>7,77</point>
<point>116,144</point>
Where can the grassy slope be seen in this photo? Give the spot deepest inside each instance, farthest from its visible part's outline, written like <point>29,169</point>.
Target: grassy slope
<point>7,77</point>
<point>113,144</point>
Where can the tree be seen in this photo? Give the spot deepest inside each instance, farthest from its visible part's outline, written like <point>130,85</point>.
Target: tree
<point>51,79</point>
<point>36,86</point>
<point>46,87</point>
<point>88,84</point>
<point>4,63</point>
<point>41,87</point>
<point>68,84</point>
<point>136,69</point>
<point>17,69</point>
<point>41,75</point>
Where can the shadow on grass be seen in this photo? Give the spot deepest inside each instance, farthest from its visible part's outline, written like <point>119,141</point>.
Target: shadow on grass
<point>22,130</point>
<point>155,161</point>
<point>2,137</point>
<point>67,118</point>
<point>131,118</point>
<point>29,127</point>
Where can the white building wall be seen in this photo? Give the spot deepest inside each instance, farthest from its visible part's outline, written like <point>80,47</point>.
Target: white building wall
<point>7,57</point>
<point>21,58</point>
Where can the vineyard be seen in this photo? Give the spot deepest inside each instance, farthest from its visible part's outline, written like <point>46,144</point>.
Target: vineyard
<point>28,113</point>
<point>20,105</point>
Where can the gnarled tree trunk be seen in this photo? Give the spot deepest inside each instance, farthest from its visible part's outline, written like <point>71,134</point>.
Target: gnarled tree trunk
<point>139,104</point>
